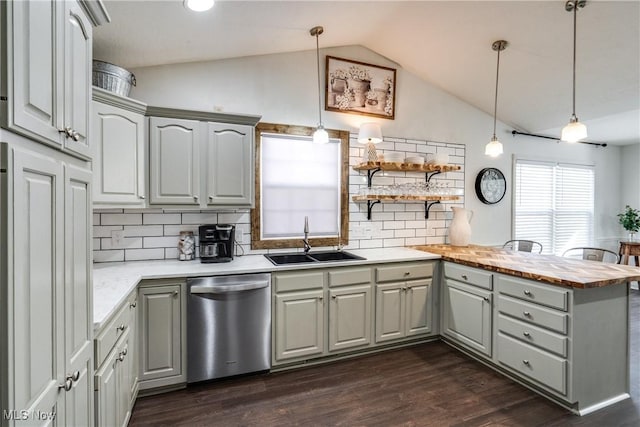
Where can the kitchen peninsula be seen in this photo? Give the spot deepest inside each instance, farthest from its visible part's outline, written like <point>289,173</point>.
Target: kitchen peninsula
<point>559,326</point>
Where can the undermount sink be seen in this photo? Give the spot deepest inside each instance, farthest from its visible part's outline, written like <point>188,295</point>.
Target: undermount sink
<point>299,258</point>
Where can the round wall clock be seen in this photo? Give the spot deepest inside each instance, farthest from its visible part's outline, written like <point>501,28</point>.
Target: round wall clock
<point>490,186</point>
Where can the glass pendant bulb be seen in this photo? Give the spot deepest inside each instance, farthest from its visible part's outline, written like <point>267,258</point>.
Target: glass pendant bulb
<point>493,148</point>
<point>320,136</point>
<point>198,5</point>
<point>574,131</point>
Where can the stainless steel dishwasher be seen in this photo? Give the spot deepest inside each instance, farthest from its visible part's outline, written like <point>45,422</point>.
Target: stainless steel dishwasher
<point>228,326</point>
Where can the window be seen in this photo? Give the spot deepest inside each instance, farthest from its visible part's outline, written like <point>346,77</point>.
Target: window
<point>554,204</point>
<point>297,178</point>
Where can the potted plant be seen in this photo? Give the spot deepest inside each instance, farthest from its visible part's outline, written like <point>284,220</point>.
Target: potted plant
<point>630,220</point>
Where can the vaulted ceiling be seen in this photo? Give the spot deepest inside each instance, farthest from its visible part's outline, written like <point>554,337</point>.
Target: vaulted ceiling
<point>447,43</point>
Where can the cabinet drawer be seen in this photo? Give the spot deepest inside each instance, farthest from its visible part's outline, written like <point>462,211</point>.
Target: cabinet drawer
<point>109,334</point>
<point>298,281</point>
<point>529,291</point>
<point>542,367</point>
<point>470,275</point>
<point>349,276</point>
<point>533,335</point>
<point>394,273</point>
<point>533,313</point>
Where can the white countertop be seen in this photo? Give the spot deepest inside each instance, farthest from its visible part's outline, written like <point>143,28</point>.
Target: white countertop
<point>114,281</point>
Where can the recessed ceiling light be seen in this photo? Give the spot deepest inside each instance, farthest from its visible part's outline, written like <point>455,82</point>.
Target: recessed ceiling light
<point>198,5</point>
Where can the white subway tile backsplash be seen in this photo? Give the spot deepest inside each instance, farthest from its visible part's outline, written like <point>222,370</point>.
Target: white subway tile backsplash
<point>143,254</point>
<point>120,219</point>
<point>153,233</point>
<point>162,218</point>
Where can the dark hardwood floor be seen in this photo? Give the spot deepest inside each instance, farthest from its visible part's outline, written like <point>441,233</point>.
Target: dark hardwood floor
<point>426,385</point>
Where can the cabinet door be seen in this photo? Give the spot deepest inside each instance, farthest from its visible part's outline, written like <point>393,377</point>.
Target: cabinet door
<point>77,77</point>
<point>230,165</point>
<point>299,324</point>
<point>124,380</point>
<point>34,80</point>
<point>36,313</point>
<point>133,354</point>
<point>419,307</point>
<point>118,156</point>
<point>390,311</point>
<point>107,392</point>
<point>467,315</point>
<point>160,333</point>
<point>174,161</point>
<point>78,302</point>
<point>349,317</point>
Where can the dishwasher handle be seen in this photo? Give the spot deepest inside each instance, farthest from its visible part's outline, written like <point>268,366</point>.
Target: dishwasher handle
<point>225,289</point>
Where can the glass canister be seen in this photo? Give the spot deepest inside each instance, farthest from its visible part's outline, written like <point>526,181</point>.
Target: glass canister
<point>186,246</point>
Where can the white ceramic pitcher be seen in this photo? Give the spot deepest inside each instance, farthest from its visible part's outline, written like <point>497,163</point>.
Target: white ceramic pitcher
<point>460,229</point>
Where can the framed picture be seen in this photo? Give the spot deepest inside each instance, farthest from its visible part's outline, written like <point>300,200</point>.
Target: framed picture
<point>359,88</point>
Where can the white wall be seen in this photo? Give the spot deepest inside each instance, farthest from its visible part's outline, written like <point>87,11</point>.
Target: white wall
<point>630,176</point>
<point>283,89</point>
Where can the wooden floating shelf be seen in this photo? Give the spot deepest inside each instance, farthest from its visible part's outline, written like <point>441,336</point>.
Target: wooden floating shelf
<point>386,197</point>
<point>405,167</point>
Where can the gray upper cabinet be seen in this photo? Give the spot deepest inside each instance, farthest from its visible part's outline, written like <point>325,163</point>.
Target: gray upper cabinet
<point>118,143</point>
<point>174,149</point>
<point>229,164</point>
<point>201,159</point>
<point>47,72</point>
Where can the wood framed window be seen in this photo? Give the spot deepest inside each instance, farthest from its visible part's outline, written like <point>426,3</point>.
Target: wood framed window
<point>297,178</point>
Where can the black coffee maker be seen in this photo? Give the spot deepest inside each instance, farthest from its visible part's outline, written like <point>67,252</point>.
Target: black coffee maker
<point>216,242</point>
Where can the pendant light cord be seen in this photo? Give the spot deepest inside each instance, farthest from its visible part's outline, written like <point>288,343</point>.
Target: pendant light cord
<point>319,83</point>
<point>495,103</point>
<point>575,23</point>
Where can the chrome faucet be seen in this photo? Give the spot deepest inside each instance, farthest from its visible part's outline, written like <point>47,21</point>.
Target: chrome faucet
<point>307,246</point>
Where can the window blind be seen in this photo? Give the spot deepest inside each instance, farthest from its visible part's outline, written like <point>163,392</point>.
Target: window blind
<point>298,179</point>
<point>554,204</point>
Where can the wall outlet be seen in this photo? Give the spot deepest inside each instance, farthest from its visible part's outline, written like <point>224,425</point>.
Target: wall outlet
<point>117,238</point>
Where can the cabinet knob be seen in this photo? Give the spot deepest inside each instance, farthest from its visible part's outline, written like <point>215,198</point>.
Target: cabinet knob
<point>141,197</point>
<point>486,299</point>
<point>407,273</point>
<point>175,293</point>
<point>334,296</point>
<point>526,314</point>
<point>120,328</point>
<point>75,376</point>
<point>133,304</point>
<point>68,383</point>
<point>320,299</point>
<point>121,357</point>
<point>211,198</point>
<point>195,198</point>
<point>464,276</point>
<point>404,289</point>
<point>527,293</point>
<point>75,135</point>
<point>526,362</point>
<point>526,334</point>
<point>125,351</point>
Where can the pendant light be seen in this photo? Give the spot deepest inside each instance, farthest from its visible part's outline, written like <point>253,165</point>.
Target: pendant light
<point>320,136</point>
<point>494,147</point>
<point>574,131</point>
<point>198,5</point>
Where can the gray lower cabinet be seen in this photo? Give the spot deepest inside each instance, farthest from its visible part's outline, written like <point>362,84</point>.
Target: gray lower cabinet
<point>116,378</point>
<point>404,304</point>
<point>162,332</point>
<point>467,308</point>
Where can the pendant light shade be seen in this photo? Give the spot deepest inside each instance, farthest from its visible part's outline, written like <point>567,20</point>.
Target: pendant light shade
<point>320,136</point>
<point>198,5</point>
<point>574,131</point>
<point>494,147</point>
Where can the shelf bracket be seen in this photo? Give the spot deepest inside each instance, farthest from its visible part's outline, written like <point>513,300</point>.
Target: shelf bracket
<point>427,206</point>
<point>430,175</point>
<point>370,204</point>
<point>370,174</point>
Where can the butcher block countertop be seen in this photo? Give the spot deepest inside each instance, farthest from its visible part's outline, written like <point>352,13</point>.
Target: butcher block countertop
<point>569,272</point>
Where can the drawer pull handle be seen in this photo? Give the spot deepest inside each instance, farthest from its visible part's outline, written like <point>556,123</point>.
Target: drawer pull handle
<point>75,376</point>
<point>526,362</point>
<point>464,276</point>
<point>526,334</point>
<point>120,328</point>
<point>527,293</point>
<point>133,304</point>
<point>486,299</point>
<point>526,314</point>
<point>406,273</point>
